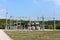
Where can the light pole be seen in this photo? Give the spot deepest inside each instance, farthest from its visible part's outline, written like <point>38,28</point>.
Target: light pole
<point>6,20</point>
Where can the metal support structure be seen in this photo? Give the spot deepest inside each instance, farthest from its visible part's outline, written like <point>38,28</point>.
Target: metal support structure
<point>29,23</point>
<point>16,23</point>
<point>10,22</point>
<point>38,19</point>
<point>30,20</point>
<point>43,22</point>
<point>20,21</point>
<point>6,20</point>
<point>17,18</point>
<point>54,24</point>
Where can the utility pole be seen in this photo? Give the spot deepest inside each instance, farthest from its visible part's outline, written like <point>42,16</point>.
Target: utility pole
<point>10,22</point>
<point>43,22</point>
<point>38,19</point>
<point>54,20</point>
<point>6,20</point>
<point>29,23</point>
<point>54,24</point>
<point>20,21</point>
<point>16,22</point>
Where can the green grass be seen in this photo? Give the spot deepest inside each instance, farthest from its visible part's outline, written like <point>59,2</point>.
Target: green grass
<point>34,35</point>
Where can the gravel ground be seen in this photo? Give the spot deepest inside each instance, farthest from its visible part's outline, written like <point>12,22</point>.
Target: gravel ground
<point>4,36</point>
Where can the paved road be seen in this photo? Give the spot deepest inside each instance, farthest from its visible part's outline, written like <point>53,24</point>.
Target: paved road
<point>4,36</point>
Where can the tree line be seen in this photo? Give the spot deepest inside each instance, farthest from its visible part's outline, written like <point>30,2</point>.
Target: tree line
<point>48,24</point>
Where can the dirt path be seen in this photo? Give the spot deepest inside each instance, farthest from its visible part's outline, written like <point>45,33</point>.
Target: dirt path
<point>4,36</point>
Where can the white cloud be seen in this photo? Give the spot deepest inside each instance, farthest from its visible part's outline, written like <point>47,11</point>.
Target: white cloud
<point>2,11</point>
<point>1,17</point>
<point>56,2</point>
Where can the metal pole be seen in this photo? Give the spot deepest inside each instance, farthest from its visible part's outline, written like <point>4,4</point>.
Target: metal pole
<point>6,20</point>
<point>30,20</point>
<point>10,21</point>
<point>43,22</point>
<point>17,23</point>
<point>54,24</point>
<point>30,23</point>
<point>54,20</point>
<point>38,20</point>
<point>20,21</point>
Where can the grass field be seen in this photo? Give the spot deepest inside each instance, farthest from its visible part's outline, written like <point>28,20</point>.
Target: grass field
<point>34,35</point>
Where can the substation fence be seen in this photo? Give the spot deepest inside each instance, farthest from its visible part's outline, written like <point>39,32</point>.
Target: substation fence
<point>30,23</point>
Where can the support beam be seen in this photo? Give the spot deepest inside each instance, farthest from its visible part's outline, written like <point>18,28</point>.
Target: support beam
<point>16,22</point>
<point>6,21</point>
<point>43,22</point>
<point>10,22</point>
<point>30,23</point>
<point>54,24</point>
<point>20,21</point>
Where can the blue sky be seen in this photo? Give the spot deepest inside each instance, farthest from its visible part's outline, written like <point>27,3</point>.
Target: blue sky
<point>34,8</point>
